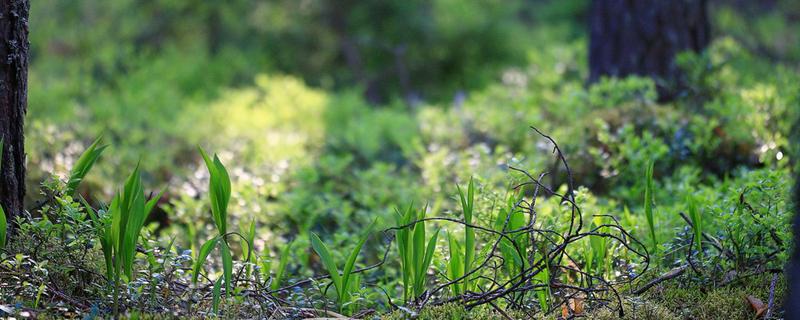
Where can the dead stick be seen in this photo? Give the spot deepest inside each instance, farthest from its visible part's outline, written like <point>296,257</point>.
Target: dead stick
<point>505,315</point>
<point>771,296</point>
<point>669,275</point>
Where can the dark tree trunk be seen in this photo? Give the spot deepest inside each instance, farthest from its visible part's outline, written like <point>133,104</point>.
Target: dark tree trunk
<point>642,37</point>
<point>13,102</point>
<point>792,302</point>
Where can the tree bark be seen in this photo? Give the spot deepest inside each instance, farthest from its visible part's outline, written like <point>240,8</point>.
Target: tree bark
<point>792,302</point>
<point>642,37</point>
<point>13,102</point>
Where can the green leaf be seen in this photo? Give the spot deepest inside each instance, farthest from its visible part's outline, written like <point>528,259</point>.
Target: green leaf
<point>83,165</point>
<point>697,222</point>
<point>456,266</point>
<point>219,191</point>
<point>467,205</point>
<point>418,250</point>
<point>648,204</point>
<point>327,260</point>
<point>216,296</point>
<point>403,241</point>
<point>429,252</point>
<point>3,228</point>
<point>281,266</point>
<point>106,244</point>
<point>202,256</point>
<point>351,260</point>
<point>227,266</point>
<point>134,196</point>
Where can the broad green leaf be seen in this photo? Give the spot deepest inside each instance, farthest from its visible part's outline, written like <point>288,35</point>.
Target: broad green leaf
<point>83,165</point>
<point>697,222</point>
<point>106,244</point>
<point>467,205</point>
<point>202,256</point>
<point>648,204</point>
<point>227,265</point>
<point>429,253</point>
<point>419,251</point>
<point>134,193</point>
<point>3,228</point>
<point>402,240</point>
<point>351,260</point>
<point>219,191</point>
<point>327,260</point>
<point>456,266</point>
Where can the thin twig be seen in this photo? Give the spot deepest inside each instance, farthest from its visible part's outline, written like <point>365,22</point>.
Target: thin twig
<point>669,275</point>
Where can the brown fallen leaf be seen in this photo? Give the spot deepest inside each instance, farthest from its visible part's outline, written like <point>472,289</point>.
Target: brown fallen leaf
<point>574,306</point>
<point>757,305</point>
<point>577,305</point>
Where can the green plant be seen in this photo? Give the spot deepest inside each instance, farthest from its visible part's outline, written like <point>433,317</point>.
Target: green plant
<point>697,223</point>
<point>83,165</point>
<point>649,200</point>
<point>128,212</point>
<point>597,255</point>
<point>215,296</point>
<point>280,271</point>
<point>468,205</point>
<point>511,219</point>
<point>220,193</point>
<point>455,266</point>
<point>249,234</point>
<point>346,281</point>
<point>415,256</point>
<point>543,278</point>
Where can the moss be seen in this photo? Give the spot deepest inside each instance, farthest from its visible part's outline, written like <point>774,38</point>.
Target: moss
<point>727,302</point>
<point>676,299</point>
<point>635,308</point>
<point>457,312</point>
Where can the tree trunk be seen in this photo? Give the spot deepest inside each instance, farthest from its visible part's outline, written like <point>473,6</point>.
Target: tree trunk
<point>13,102</point>
<point>792,302</point>
<point>642,37</point>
